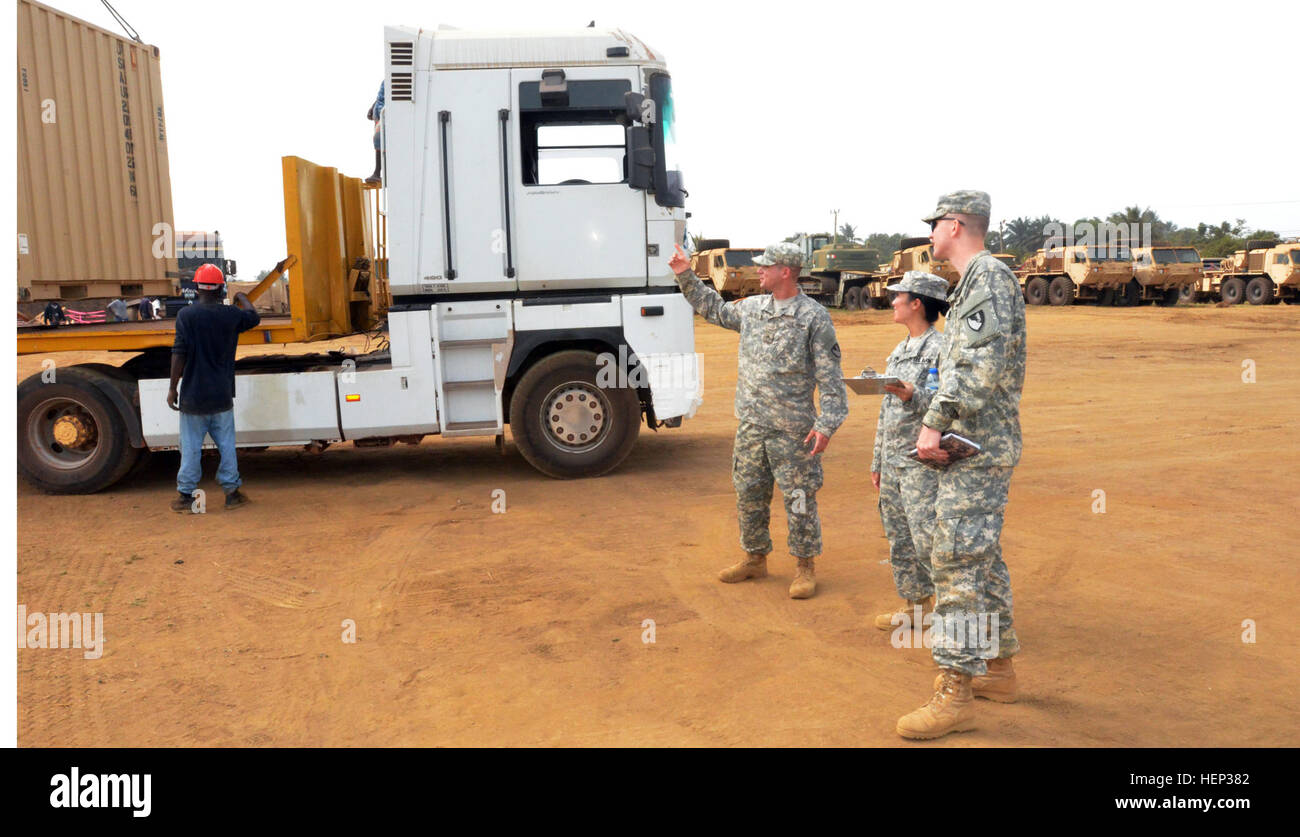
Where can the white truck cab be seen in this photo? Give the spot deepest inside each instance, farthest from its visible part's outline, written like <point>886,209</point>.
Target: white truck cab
<point>531,214</point>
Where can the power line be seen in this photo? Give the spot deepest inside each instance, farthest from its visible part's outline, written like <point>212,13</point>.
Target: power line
<point>130,30</point>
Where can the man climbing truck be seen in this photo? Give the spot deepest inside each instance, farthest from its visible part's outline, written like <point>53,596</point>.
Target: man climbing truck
<point>531,213</point>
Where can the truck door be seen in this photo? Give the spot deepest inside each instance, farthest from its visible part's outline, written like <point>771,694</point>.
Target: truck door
<point>463,234</point>
<point>576,222</point>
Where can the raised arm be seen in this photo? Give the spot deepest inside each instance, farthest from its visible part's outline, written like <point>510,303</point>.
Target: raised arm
<point>706,301</point>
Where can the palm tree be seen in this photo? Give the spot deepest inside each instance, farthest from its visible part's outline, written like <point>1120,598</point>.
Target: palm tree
<point>849,233</point>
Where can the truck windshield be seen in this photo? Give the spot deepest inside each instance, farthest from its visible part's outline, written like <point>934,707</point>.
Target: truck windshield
<point>1109,254</point>
<point>742,258</point>
<point>1164,256</point>
<point>1186,255</point>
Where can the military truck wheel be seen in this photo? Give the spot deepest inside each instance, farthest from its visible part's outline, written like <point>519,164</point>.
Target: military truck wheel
<point>712,244</point>
<point>1104,297</point>
<point>1169,297</point>
<point>876,303</point>
<point>1036,291</point>
<point>565,424</point>
<point>1187,294</point>
<point>1260,291</point>
<point>1061,291</point>
<point>1130,295</point>
<point>853,298</point>
<point>71,437</point>
<point>1233,290</point>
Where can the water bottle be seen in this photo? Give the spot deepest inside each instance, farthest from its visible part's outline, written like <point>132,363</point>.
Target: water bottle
<point>932,380</point>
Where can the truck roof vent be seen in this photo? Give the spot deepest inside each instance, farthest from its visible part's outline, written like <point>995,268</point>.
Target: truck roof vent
<point>402,88</point>
<point>401,53</point>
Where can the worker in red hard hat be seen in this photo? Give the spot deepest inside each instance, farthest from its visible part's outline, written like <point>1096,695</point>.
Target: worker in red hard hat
<point>203,363</point>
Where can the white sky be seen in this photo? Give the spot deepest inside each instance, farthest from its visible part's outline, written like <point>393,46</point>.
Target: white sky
<point>787,112</point>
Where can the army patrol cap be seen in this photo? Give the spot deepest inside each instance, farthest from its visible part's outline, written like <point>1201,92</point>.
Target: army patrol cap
<point>966,202</point>
<point>920,283</point>
<point>786,253</point>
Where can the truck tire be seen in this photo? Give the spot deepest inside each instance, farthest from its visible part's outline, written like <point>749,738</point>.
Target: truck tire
<point>1061,291</point>
<point>1233,290</point>
<point>1036,291</point>
<point>589,440</point>
<point>1187,294</point>
<point>1169,297</point>
<point>712,244</point>
<point>1129,295</point>
<point>853,298</point>
<point>1260,291</point>
<point>71,437</point>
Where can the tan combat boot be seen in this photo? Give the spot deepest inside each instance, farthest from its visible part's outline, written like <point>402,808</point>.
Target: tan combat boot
<point>805,583</point>
<point>886,621</point>
<point>949,710</point>
<point>754,565</point>
<point>998,685</point>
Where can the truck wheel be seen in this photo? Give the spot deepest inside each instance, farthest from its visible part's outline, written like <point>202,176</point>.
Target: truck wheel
<point>565,424</point>
<point>1061,291</point>
<point>1233,290</point>
<point>1260,291</point>
<point>853,298</point>
<point>1129,295</point>
<point>1036,291</point>
<point>1169,297</point>
<point>71,438</point>
<point>1187,294</point>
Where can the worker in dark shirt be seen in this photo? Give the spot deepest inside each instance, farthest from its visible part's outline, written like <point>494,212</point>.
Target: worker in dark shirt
<point>203,361</point>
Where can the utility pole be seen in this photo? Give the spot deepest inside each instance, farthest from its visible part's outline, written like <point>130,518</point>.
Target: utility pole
<point>1002,246</point>
<point>835,230</point>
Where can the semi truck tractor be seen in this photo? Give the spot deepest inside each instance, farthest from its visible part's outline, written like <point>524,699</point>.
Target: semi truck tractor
<point>1060,275</point>
<point>531,207</point>
<point>1167,275</point>
<point>1264,272</point>
<point>729,270</point>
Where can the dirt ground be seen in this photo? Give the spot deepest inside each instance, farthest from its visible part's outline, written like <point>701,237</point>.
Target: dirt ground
<point>525,628</point>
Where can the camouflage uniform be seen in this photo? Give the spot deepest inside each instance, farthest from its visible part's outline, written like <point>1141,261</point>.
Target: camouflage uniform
<point>907,487</point>
<point>782,356</point>
<point>981,374</point>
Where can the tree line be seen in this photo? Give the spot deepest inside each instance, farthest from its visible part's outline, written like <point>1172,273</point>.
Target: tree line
<point>1023,236</point>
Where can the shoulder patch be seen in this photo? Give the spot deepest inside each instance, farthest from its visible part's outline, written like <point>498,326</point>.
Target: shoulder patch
<point>976,321</point>
<point>835,351</point>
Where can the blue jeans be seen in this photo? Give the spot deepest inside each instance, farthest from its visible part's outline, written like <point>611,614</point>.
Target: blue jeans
<point>221,427</point>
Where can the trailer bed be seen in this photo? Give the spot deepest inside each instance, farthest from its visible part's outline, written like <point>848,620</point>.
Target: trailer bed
<point>135,335</point>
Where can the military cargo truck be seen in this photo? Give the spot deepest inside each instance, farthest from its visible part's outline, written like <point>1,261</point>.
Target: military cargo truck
<point>1163,272</point>
<point>1264,272</point>
<point>729,270</point>
<point>826,260</point>
<point>1060,275</point>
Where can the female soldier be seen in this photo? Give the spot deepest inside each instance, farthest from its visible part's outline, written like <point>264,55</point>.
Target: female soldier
<point>907,487</point>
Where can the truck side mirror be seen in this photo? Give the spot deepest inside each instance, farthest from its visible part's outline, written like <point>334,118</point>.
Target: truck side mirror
<point>640,158</point>
<point>231,267</point>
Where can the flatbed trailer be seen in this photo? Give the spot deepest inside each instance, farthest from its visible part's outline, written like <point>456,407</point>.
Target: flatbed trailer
<point>134,336</point>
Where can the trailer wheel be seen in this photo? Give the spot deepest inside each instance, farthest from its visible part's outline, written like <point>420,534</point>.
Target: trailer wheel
<point>1036,291</point>
<point>1233,290</point>
<point>566,424</point>
<point>1061,291</point>
<point>1187,294</point>
<point>71,438</point>
<point>1169,297</point>
<point>853,298</point>
<point>1260,291</point>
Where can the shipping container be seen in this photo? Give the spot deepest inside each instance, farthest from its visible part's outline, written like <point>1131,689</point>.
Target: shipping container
<point>93,181</point>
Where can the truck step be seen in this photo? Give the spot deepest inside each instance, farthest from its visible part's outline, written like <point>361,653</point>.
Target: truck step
<point>466,426</point>
<point>464,344</point>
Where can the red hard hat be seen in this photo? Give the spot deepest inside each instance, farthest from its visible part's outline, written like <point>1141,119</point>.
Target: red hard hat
<point>209,277</point>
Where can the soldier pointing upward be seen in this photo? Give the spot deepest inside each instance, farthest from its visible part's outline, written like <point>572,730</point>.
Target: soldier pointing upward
<point>787,346</point>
